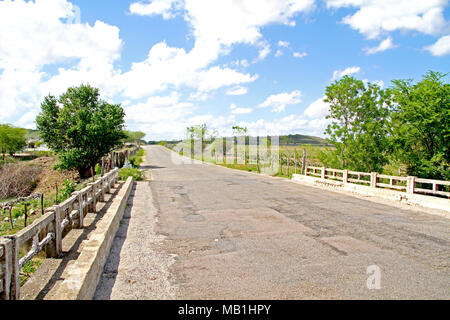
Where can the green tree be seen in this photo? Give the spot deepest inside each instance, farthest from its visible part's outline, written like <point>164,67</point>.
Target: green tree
<point>80,127</point>
<point>134,136</point>
<point>12,139</point>
<point>421,125</point>
<point>359,128</point>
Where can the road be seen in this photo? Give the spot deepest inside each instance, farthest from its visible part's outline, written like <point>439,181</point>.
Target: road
<point>199,231</point>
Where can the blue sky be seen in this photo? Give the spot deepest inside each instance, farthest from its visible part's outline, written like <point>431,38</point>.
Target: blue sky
<point>263,64</point>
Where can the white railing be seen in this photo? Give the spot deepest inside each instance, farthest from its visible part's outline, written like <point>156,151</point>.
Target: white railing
<point>376,180</point>
<point>46,233</point>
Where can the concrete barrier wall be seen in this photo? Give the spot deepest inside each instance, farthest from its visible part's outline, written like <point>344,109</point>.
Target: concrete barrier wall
<point>82,276</point>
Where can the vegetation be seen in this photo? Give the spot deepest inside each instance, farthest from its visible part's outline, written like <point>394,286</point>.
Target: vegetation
<point>11,139</point>
<point>375,129</point>
<point>18,180</point>
<point>359,126</point>
<point>137,159</point>
<point>134,137</point>
<point>421,126</point>
<point>81,131</point>
<point>137,174</point>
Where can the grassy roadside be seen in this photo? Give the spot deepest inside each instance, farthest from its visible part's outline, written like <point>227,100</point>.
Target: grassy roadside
<point>133,171</point>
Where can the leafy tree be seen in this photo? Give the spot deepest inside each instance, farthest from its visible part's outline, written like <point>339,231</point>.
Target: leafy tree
<point>421,125</point>
<point>12,139</point>
<point>134,136</point>
<point>359,126</point>
<point>80,127</point>
<point>197,132</point>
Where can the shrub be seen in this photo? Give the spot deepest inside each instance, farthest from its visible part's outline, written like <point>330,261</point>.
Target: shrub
<point>67,189</point>
<point>130,172</point>
<point>135,161</point>
<point>18,180</point>
<point>98,169</point>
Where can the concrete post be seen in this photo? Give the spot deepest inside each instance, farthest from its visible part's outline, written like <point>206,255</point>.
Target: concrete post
<point>94,199</point>
<point>6,263</point>
<point>323,173</point>
<point>79,224</point>
<point>373,179</point>
<point>14,285</point>
<point>410,184</point>
<point>54,248</point>
<point>345,176</point>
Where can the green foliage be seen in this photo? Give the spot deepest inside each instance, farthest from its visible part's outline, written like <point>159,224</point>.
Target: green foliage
<point>131,172</point>
<point>421,126</point>
<point>98,169</point>
<point>67,189</point>
<point>359,126</point>
<point>80,127</point>
<point>134,136</point>
<point>11,139</point>
<point>135,161</point>
<point>140,152</point>
<point>239,131</point>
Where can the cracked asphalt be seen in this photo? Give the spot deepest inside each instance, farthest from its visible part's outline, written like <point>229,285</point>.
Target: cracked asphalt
<point>199,231</point>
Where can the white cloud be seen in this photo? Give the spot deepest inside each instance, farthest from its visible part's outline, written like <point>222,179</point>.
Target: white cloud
<point>278,102</point>
<point>299,55</point>
<point>346,72</point>
<point>375,17</point>
<point>440,47</point>
<point>211,25</point>
<point>384,45</point>
<point>236,110</point>
<point>166,8</point>
<point>284,44</point>
<point>279,53</point>
<point>237,91</point>
<point>317,109</point>
<point>43,33</point>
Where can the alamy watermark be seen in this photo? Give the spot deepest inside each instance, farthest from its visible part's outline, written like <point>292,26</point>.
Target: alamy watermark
<point>262,152</point>
<point>374,279</point>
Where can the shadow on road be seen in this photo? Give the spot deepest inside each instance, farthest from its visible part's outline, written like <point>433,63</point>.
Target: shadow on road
<point>151,167</point>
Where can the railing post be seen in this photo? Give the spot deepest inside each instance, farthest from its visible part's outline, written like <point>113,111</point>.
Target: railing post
<point>6,263</point>
<point>80,223</point>
<point>14,291</point>
<point>373,179</point>
<point>93,206</point>
<point>410,184</point>
<point>323,173</point>
<point>54,248</point>
<point>345,176</point>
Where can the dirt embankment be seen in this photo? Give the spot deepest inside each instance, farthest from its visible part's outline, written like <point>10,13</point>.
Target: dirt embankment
<point>49,177</point>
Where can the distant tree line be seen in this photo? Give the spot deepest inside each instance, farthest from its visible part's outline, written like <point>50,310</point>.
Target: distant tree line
<point>407,123</point>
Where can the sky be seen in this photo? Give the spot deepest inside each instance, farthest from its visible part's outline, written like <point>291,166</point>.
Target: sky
<point>260,64</point>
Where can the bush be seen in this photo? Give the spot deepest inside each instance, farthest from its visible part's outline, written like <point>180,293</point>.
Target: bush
<point>18,180</point>
<point>67,189</point>
<point>135,161</point>
<point>130,172</point>
<point>98,169</point>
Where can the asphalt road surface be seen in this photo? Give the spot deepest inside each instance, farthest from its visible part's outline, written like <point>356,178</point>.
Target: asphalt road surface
<point>199,231</point>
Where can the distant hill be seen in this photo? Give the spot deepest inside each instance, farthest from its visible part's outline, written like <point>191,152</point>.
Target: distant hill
<point>299,139</point>
<point>287,140</point>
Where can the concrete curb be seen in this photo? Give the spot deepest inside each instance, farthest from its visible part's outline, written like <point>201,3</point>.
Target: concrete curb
<point>82,275</point>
